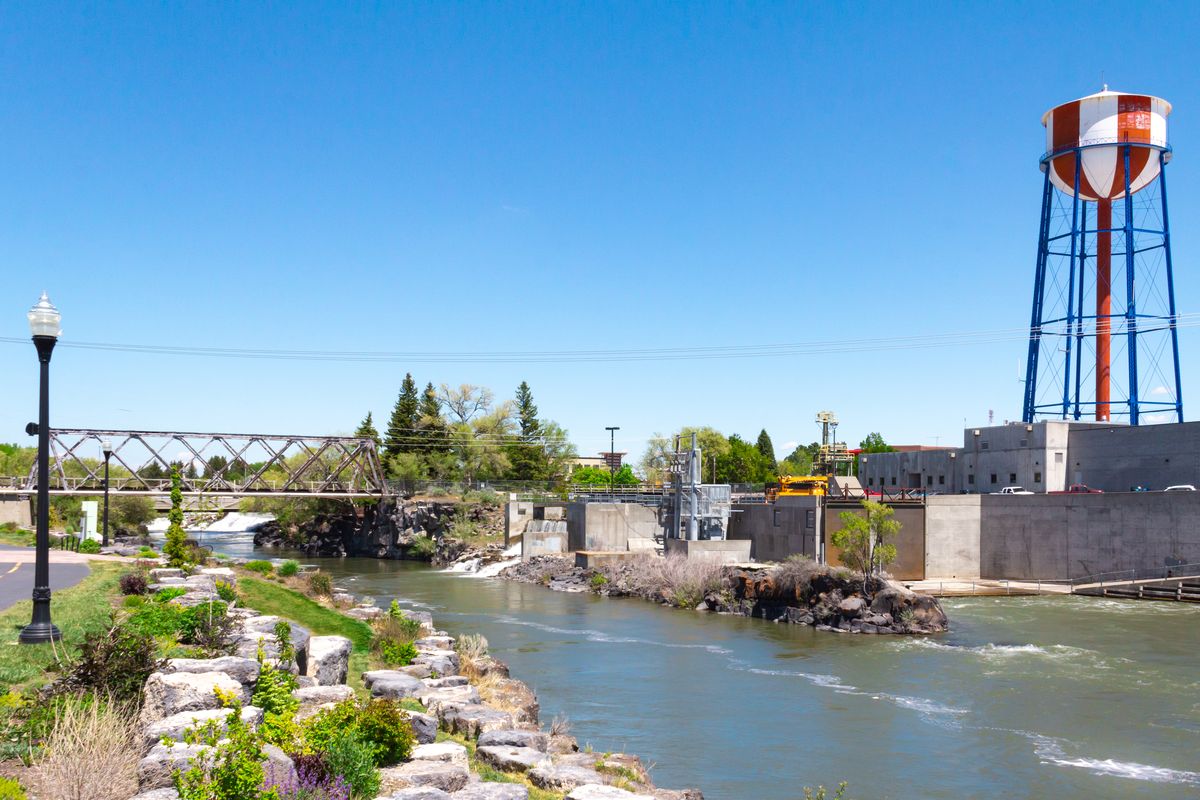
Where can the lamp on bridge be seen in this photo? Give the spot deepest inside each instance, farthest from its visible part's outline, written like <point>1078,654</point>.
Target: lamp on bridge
<point>44,324</point>
<point>106,447</point>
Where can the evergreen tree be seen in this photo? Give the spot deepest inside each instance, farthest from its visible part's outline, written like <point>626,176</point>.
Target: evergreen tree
<point>432,425</point>
<point>366,429</point>
<point>175,548</point>
<point>405,415</point>
<point>766,448</point>
<point>527,412</point>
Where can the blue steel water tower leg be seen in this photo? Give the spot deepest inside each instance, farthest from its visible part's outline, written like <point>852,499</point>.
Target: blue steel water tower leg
<point>1039,290</point>
<point>1130,304</point>
<point>1162,192</point>
<point>1079,311</point>
<point>1066,396</point>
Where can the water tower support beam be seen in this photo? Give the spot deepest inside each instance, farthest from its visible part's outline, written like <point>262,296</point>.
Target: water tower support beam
<point>1039,289</point>
<point>1130,305</point>
<point>1103,307</point>
<point>1162,187</point>
<point>1079,311</point>
<point>1071,295</point>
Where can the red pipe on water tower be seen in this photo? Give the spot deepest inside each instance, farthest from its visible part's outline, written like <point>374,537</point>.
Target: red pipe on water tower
<point>1103,306</point>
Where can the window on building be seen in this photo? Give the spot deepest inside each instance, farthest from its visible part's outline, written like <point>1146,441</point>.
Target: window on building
<point>929,481</point>
<point>983,445</point>
<point>1012,477</point>
<point>1024,443</point>
<point>775,518</point>
<point>971,479</point>
<point>870,481</point>
<point>993,477</point>
<point>1037,477</point>
<point>1058,458</point>
<point>810,519</point>
<point>941,480</point>
<point>893,480</point>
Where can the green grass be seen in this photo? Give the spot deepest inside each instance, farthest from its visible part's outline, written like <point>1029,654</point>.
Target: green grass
<point>11,534</point>
<point>271,598</point>
<point>76,611</point>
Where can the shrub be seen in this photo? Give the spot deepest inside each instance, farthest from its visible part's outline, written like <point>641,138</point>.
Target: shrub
<point>208,627</point>
<point>114,663</point>
<point>394,637</point>
<point>176,546</point>
<point>397,654</point>
<point>311,781</point>
<point>382,724</point>
<point>422,548</point>
<point>169,594</point>
<point>598,580</point>
<point>90,754</point>
<point>226,592</point>
<point>225,770</point>
<point>320,584</point>
<point>147,552</point>
<point>133,601</point>
<point>273,693</point>
<point>289,568</point>
<point>11,790</point>
<point>472,649</point>
<point>353,759</point>
<point>133,583</point>
<point>260,566</point>
<point>155,619</point>
<point>89,546</point>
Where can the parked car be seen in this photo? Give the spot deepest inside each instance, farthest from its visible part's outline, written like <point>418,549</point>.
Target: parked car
<point>1013,490</point>
<point>1080,488</point>
<point>1183,487</point>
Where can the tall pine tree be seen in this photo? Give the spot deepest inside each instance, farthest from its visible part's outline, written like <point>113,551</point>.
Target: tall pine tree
<point>527,459</point>
<point>403,423</point>
<point>431,423</point>
<point>767,449</point>
<point>366,429</point>
<point>527,412</point>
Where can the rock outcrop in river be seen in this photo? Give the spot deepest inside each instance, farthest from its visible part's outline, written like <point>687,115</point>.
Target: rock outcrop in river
<point>801,592</point>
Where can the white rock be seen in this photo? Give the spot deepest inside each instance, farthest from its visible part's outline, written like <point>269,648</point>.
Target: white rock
<point>437,774</point>
<point>176,725</point>
<point>450,752</point>
<point>167,694</point>
<point>155,770</point>
<point>596,791</point>
<point>243,670</point>
<point>329,659</point>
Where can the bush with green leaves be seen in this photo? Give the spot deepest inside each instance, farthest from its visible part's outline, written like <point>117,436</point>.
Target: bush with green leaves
<point>320,584</point>
<point>156,619</point>
<point>89,546</point>
<point>113,663</point>
<point>176,548</point>
<point>168,594</point>
<point>289,568</point>
<point>226,592</point>
<point>397,654</point>
<point>230,767</point>
<point>273,692</point>
<point>354,760</point>
<point>381,723</point>
<point>208,626</point>
<point>10,789</point>
<point>260,566</point>
<point>147,552</point>
<point>134,583</point>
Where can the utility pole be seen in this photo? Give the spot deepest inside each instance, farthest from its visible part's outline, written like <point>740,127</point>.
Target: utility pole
<point>612,456</point>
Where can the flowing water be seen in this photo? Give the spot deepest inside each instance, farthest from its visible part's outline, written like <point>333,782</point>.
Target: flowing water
<point>1025,697</point>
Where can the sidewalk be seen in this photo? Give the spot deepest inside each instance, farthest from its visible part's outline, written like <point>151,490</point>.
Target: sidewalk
<point>966,587</point>
<point>16,571</point>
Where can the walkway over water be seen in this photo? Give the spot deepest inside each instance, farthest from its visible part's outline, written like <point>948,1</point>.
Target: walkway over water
<point>214,464</point>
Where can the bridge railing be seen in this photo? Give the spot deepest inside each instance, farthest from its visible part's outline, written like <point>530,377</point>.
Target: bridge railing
<point>1145,574</point>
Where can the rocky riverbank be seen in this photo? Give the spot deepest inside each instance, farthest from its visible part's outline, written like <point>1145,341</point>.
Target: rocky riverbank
<point>442,532</point>
<point>478,736</point>
<point>800,592</point>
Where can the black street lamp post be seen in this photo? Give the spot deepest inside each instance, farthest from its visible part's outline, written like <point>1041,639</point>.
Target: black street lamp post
<point>44,324</point>
<point>612,457</point>
<point>106,446</point>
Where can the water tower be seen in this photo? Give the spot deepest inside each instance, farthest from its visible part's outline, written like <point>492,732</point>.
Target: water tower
<point>1103,342</point>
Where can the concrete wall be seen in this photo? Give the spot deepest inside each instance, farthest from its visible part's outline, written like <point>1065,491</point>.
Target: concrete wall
<point>1115,458</point>
<point>717,551</point>
<point>780,530</point>
<point>544,537</point>
<point>610,526</point>
<point>910,542</point>
<point>17,510</point>
<point>1054,537</point>
<point>952,525</point>
<point>516,516</point>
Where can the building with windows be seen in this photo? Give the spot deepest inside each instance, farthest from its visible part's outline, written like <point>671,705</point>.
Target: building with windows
<point>1044,457</point>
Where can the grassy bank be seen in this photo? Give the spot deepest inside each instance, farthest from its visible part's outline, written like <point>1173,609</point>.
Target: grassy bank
<point>272,598</point>
<point>84,608</point>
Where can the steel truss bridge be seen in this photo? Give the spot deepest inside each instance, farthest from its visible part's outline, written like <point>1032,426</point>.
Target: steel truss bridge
<point>255,465</point>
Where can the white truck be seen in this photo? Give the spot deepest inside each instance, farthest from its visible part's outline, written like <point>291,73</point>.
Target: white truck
<point>1013,490</point>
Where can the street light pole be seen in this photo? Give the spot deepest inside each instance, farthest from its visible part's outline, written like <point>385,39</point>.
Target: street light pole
<point>612,457</point>
<point>106,446</point>
<point>44,324</point>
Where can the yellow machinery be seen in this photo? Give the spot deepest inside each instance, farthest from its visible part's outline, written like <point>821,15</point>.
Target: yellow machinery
<point>798,486</point>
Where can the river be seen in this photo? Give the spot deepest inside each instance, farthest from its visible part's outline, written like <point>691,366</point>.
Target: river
<point>1063,697</point>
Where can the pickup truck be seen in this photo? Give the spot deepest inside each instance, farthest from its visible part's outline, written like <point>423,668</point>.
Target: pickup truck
<point>1013,490</point>
<point>1080,488</point>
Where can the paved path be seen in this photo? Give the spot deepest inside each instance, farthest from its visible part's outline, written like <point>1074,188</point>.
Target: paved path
<point>16,572</point>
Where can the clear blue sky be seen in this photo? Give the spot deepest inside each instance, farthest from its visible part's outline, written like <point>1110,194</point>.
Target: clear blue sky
<point>487,177</point>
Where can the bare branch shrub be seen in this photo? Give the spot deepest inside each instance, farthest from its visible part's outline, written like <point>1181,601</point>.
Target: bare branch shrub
<point>681,581</point>
<point>90,754</point>
<point>472,649</point>
<point>795,574</point>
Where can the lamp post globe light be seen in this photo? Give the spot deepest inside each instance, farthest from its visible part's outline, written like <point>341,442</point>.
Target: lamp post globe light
<point>106,448</point>
<point>44,324</point>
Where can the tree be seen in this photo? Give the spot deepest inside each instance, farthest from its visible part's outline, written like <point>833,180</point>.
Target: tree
<point>863,539</point>
<point>366,429</point>
<point>742,462</point>
<point>765,447</point>
<point>175,548</point>
<point>527,412</point>
<point>215,466</point>
<point>599,476</point>
<point>466,402</point>
<point>403,421</point>
<point>874,443</point>
<point>527,460</point>
<point>430,423</point>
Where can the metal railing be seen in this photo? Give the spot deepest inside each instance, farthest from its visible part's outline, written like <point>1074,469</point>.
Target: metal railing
<point>1145,574</point>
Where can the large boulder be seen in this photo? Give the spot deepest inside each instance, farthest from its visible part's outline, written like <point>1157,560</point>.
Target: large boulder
<point>243,670</point>
<point>438,700</point>
<point>425,727</point>
<point>449,752</point>
<point>515,738</point>
<point>314,698</point>
<point>436,774</point>
<point>157,767</point>
<point>852,606</point>
<point>365,614</point>
<point>511,759</point>
<point>175,726</point>
<point>516,697</point>
<point>261,630</point>
<point>417,793</point>
<point>596,791</point>
<point>157,794</point>
<point>472,720</point>
<point>493,791</point>
<point>563,777</point>
<point>329,659</point>
<point>391,684</point>
<point>167,694</point>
